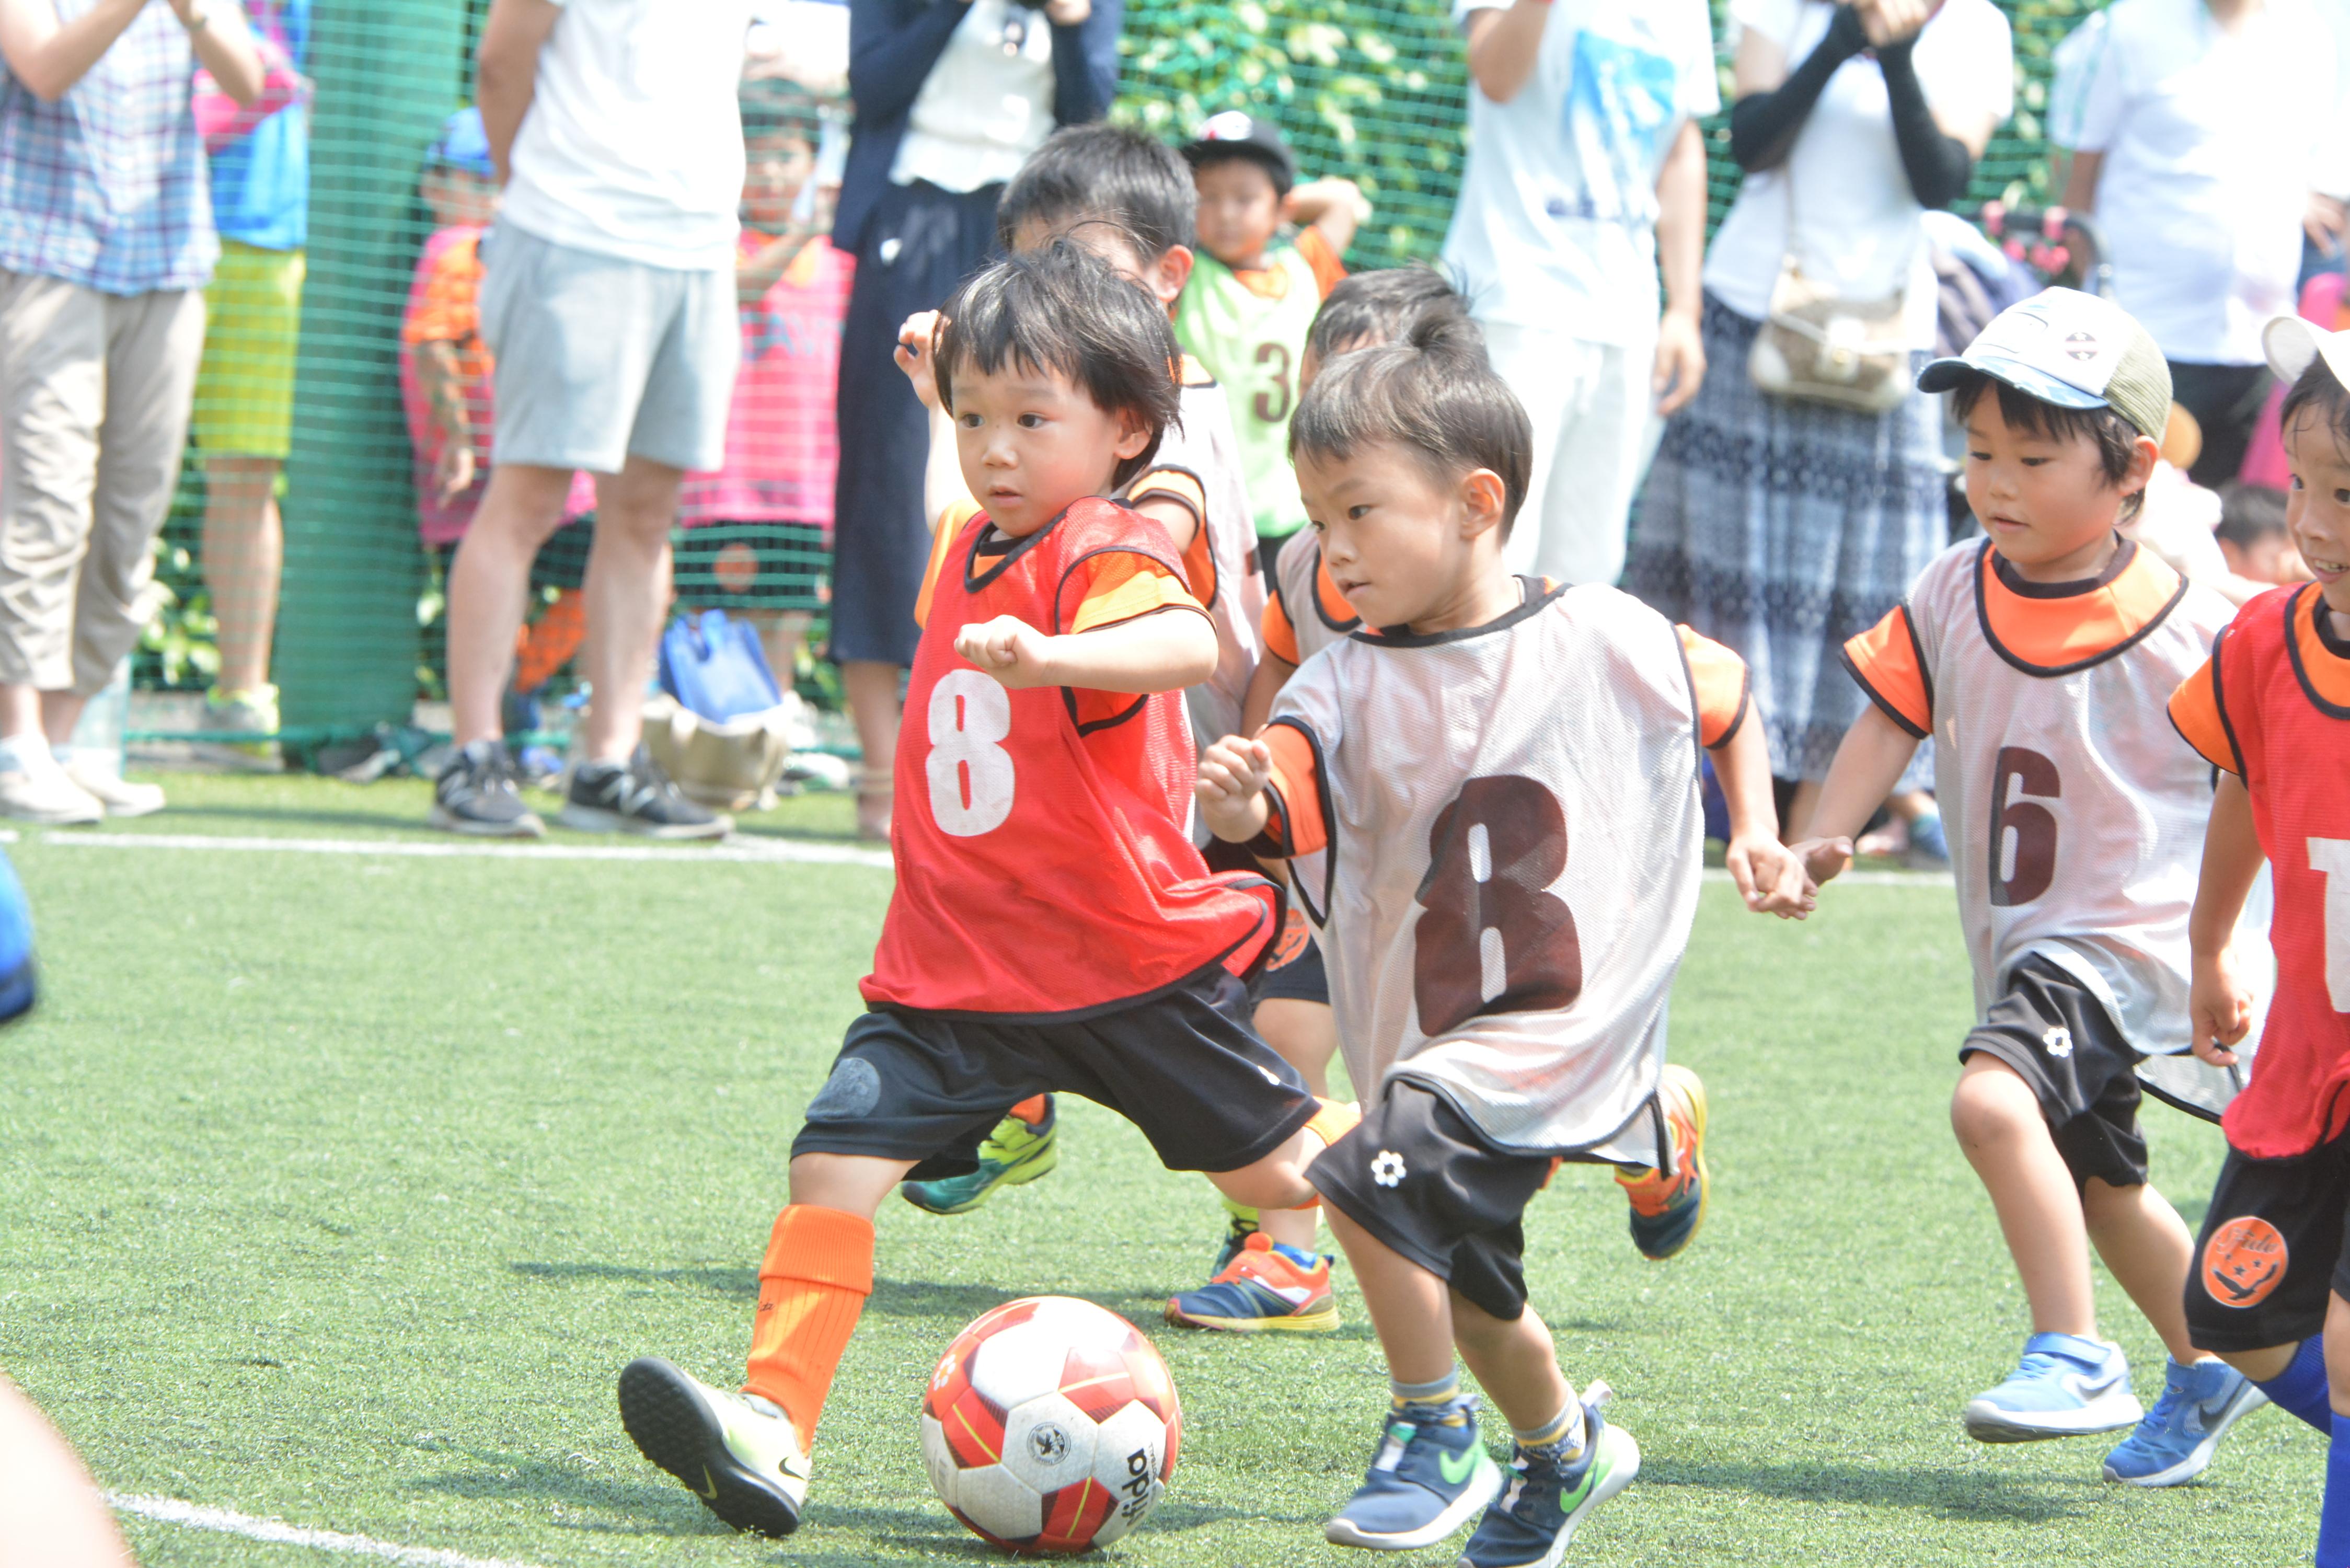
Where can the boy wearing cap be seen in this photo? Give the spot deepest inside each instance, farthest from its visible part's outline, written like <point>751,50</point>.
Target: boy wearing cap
<point>2039,659</point>
<point>2271,712</point>
<point>1252,294</point>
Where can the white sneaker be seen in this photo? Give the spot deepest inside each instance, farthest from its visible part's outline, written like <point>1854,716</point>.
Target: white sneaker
<point>118,796</point>
<point>39,791</point>
<point>737,1452</point>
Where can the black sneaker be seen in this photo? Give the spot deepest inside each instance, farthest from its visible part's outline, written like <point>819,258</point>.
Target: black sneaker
<point>475,794</point>
<point>636,796</point>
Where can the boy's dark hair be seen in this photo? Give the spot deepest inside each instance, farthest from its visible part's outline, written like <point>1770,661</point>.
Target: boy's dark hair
<point>1368,308</point>
<point>1207,155</point>
<point>1427,395</point>
<point>1065,311</point>
<point>2317,389</point>
<point>2115,437</point>
<point>775,107</point>
<point>1104,173</point>
<point>2250,513</point>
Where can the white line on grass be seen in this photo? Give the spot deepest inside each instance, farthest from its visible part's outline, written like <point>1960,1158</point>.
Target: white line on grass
<point>171,1510</point>
<point>761,851</point>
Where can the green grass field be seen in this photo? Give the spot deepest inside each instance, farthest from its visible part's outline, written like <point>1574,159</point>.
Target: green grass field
<point>335,1189</point>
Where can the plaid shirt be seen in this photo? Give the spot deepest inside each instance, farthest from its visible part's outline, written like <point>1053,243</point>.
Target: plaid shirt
<point>106,186</point>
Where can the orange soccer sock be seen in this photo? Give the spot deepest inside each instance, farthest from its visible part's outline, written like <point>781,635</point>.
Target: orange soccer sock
<point>812,1286</point>
<point>549,643</point>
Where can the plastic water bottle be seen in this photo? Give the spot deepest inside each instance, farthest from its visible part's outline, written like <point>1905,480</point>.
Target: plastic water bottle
<point>98,736</point>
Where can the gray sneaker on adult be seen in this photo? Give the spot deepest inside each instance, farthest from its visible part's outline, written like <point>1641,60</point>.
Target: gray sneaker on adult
<point>476,795</point>
<point>636,796</point>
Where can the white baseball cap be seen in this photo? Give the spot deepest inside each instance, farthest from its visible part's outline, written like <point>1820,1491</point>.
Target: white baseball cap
<point>2072,349</point>
<point>2293,345</point>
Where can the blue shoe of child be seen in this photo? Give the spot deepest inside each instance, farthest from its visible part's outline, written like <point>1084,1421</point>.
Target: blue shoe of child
<point>2175,1442</point>
<point>1430,1478</point>
<point>1544,1502</point>
<point>2065,1386</point>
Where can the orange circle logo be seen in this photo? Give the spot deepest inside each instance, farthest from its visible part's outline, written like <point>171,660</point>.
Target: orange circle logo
<point>736,567</point>
<point>2242,1262</point>
<point>1290,946</point>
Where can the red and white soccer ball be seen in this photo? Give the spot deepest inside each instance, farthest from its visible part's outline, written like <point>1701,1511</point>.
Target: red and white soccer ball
<point>1050,1426</point>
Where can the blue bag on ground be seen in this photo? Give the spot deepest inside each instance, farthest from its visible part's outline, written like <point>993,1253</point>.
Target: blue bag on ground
<point>16,982</point>
<point>717,668</point>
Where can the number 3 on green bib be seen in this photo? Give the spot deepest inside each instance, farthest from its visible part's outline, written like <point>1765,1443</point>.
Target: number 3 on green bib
<point>1251,342</point>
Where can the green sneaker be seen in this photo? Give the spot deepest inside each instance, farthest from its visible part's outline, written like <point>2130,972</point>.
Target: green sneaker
<point>737,1452</point>
<point>252,714</point>
<point>1016,1152</point>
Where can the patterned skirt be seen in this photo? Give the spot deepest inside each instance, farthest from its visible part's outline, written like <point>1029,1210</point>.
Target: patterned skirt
<point>1781,528</point>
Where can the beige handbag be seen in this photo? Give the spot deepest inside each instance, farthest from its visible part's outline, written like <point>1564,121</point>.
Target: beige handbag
<point>1818,347</point>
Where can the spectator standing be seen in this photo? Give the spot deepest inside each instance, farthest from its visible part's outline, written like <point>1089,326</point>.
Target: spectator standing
<point>1781,526</point>
<point>106,244</point>
<point>2203,134</point>
<point>607,303</point>
<point>951,98</point>
<point>244,416</point>
<point>1585,171</point>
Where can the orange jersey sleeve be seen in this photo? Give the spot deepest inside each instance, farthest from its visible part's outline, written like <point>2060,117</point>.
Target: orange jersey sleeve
<point>1300,820</point>
<point>1111,588</point>
<point>1328,270</point>
<point>1887,663</point>
<point>1280,635</point>
<point>2198,712</point>
<point>448,311</point>
<point>1183,488</point>
<point>1718,678</point>
<point>952,521</point>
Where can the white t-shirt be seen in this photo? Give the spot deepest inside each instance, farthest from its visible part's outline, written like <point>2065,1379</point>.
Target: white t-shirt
<point>981,111</point>
<point>1557,224</point>
<point>2211,142</point>
<point>633,144</point>
<point>1856,218</point>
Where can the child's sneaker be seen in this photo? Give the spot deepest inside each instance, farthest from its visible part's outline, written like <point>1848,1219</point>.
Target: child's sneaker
<point>736,1452</point>
<point>1264,1287</point>
<point>1236,1235</point>
<point>2065,1386</point>
<point>1016,1152</point>
<point>1667,1209</point>
<point>2173,1445</point>
<point>1544,1502</point>
<point>1429,1476</point>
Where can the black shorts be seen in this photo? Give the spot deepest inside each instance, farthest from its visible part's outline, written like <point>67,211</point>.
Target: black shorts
<point>2060,1039</point>
<point>1293,972</point>
<point>1420,1177</point>
<point>1183,1065</point>
<point>2274,1246</point>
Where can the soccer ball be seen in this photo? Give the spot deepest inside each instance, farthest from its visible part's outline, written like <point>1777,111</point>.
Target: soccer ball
<point>1050,1426</point>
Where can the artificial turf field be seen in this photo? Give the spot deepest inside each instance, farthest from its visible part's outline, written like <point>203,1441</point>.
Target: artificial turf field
<point>336,1189</point>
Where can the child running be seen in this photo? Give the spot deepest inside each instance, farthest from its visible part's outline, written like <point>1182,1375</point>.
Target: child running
<point>1491,812</point>
<point>1253,294</point>
<point>2037,659</point>
<point>2271,711</point>
<point>1052,927</point>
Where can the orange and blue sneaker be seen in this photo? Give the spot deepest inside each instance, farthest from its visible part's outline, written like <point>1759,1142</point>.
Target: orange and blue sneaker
<point>1669,1205</point>
<point>1267,1288</point>
<point>1017,1151</point>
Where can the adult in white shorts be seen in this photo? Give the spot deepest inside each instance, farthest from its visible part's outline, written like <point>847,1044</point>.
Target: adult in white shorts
<point>609,300</point>
<point>1586,174</point>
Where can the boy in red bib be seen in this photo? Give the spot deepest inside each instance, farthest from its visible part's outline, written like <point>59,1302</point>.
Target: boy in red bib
<point>2270,1291</point>
<point>1053,926</point>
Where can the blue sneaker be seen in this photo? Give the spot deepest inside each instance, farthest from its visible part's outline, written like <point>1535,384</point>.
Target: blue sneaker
<point>1544,1502</point>
<point>2065,1386</point>
<point>2173,1445</point>
<point>1430,1475</point>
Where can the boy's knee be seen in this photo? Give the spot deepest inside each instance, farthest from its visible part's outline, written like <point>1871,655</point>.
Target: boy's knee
<point>1992,1102</point>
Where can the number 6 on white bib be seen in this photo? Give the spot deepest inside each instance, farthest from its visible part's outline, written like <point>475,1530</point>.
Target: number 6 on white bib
<point>969,775</point>
<point>2330,858</point>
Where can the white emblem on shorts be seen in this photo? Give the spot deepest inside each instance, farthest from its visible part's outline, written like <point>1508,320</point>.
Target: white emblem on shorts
<point>2059,1042</point>
<point>1386,1170</point>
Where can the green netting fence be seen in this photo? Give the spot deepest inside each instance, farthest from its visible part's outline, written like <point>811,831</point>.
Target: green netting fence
<point>1371,89</point>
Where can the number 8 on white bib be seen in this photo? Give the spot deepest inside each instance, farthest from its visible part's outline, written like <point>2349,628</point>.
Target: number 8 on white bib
<point>970,774</point>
